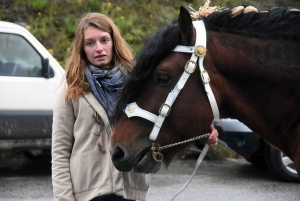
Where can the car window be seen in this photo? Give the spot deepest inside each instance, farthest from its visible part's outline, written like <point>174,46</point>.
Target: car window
<point>18,57</point>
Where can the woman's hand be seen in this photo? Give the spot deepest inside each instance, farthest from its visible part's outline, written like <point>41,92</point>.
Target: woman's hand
<point>213,138</point>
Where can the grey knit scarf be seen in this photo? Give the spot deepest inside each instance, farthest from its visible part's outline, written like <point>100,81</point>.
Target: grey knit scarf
<point>106,85</point>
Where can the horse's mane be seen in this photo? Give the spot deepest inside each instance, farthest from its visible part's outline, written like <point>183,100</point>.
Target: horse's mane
<point>248,20</point>
<point>240,20</point>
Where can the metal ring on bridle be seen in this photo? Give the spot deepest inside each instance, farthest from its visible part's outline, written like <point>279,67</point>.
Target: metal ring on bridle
<point>156,155</point>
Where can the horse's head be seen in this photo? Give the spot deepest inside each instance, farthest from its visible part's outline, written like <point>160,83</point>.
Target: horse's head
<point>157,72</point>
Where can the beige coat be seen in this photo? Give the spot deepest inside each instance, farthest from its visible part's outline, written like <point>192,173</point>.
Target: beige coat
<point>81,165</point>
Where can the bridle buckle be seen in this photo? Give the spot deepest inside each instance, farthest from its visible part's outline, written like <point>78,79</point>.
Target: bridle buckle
<point>205,77</point>
<point>186,67</point>
<point>164,110</point>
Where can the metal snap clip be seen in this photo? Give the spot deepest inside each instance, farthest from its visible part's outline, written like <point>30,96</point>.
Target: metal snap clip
<point>156,155</point>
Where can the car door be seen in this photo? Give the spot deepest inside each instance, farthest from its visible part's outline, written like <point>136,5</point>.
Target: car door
<point>26,96</point>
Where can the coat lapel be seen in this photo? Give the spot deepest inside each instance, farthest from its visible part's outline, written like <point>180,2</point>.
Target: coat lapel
<point>97,107</point>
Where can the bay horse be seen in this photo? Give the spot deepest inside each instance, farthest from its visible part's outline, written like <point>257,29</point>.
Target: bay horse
<point>252,65</point>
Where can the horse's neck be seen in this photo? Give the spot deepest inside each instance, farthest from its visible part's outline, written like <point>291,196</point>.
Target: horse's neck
<point>257,86</point>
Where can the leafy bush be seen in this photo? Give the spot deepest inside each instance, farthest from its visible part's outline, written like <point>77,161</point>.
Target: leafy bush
<point>54,22</point>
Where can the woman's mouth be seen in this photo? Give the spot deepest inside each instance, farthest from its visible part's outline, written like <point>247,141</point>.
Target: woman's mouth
<point>99,56</point>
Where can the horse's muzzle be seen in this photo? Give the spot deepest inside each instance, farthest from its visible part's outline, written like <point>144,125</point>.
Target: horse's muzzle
<point>141,160</point>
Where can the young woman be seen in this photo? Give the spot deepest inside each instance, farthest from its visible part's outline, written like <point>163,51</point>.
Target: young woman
<point>81,164</point>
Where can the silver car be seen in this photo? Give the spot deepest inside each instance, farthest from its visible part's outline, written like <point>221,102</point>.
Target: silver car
<point>254,149</point>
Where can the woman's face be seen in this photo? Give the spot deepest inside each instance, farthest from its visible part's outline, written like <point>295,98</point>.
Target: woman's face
<point>98,47</point>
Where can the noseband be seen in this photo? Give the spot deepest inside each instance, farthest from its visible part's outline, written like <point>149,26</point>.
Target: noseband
<point>198,52</point>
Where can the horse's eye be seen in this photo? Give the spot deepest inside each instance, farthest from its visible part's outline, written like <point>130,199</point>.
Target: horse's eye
<point>162,78</point>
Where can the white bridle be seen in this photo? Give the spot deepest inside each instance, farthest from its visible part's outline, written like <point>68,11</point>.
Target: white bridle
<point>198,52</point>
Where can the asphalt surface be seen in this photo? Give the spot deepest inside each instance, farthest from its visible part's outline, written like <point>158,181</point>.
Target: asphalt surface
<point>229,180</point>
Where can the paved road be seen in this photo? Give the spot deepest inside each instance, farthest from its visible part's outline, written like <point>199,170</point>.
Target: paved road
<point>228,180</point>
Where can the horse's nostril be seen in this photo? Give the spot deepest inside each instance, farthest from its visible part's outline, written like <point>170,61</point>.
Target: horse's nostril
<point>120,158</point>
<point>118,154</point>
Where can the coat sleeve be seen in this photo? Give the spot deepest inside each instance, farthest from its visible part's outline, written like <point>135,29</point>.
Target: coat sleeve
<point>62,142</point>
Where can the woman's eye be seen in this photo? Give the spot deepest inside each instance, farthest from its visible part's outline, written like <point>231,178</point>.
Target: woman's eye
<point>89,43</point>
<point>105,40</point>
<point>162,78</point>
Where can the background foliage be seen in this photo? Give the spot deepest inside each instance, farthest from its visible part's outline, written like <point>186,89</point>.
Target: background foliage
<point>53,22</point>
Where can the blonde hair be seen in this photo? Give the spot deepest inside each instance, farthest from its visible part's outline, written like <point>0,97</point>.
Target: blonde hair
<point>77,61</point>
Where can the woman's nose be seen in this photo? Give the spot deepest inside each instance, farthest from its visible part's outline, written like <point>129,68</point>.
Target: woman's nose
<point>99,47</point>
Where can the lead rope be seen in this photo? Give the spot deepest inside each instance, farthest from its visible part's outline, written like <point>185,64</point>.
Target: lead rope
<point>157,156</point>
<point>199,160</point>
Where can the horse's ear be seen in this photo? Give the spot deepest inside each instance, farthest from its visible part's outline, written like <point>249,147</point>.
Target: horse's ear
<point>185,25</point>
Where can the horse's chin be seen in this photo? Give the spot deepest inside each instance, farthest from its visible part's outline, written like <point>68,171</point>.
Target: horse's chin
<point>147,164</point>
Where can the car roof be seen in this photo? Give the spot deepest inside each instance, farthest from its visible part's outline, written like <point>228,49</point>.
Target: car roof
<point>10,25</point>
